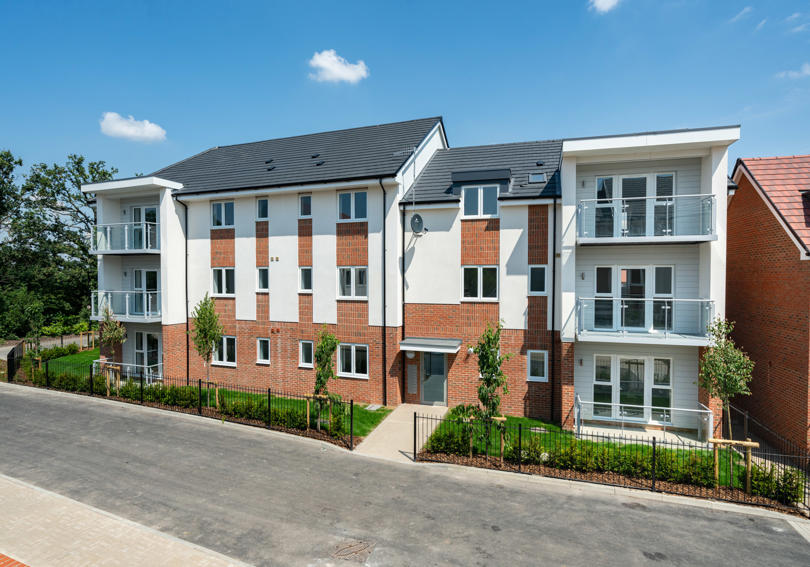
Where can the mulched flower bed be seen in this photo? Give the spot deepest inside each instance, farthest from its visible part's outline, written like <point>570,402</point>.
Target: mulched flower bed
<point>720,493</point>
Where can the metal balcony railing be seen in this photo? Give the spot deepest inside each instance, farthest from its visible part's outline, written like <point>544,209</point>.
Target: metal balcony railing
<point>126,237</point>
<point>659,316</point>
<point>130,305</point>
<point>116,371</point>
<point>640,218</point>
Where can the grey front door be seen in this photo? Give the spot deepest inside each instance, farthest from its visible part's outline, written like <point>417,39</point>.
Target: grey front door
<point>434,379</point>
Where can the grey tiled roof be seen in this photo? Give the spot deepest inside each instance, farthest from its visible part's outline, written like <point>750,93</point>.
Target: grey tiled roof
<point>435,184</point>
<point>356,153</point>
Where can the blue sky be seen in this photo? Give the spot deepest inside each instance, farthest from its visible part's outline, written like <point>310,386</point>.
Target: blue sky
<point>206,74</point>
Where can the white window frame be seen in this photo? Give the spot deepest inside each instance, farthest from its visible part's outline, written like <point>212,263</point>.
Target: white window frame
<point>301,363</point>
<point>259,350</point>
<point>300,214</point>
<point>479,298</point>
<point>353,296</point>
<point>352,374</point>
<point>224,281</point>
<point>649,378</point>
<point>480,196</point>
<point>221,204</point>
<point>259,288</point>
<point>224,349</point>
<point>529,377</point>
<point>258,217</point>
<point>311,281</point>
<point>352,218</point>
<point>545,279</point>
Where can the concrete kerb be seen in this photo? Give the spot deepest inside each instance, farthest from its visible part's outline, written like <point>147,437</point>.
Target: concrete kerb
<point>463,472</point>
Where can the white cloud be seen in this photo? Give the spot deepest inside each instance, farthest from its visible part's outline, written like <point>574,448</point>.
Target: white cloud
<point>793,16</point>
<point>602,6</point>
<point>804,71</point>
<point>798,29</point>
<point>742,13</point>
<point>760,24</point>
<point>331,67</point>
<point>116,126</point>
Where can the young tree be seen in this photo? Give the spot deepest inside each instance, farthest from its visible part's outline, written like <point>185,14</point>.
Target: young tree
<point>324,367</point>
<point>490,361</point>
<point>34,314</point>
<point>725,370</point>
<point>207,332</point>
<point>112,332</point>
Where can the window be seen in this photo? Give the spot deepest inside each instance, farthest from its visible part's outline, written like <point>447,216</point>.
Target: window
<point>603,308</point>
<point>225,353</point>
<point>537,366</point>
<point>263,351</point>
<point>305,355</point>
<point>663,288</point>
<point>224,283</point>
<point>662,390</point>
<point>353,361</point>
<point>604,207</point>
<point>304,206</point>
<point>262,209</point>
<point>537,280</point>
<point>480,201</point>
<point>537,177</point>
<point>222,214</point>
<point>353,283</point>
<point>352,206</point>
<point>305,279</point>
<point>480,283</point>
<point>263,279</point>
<point>602,387</point>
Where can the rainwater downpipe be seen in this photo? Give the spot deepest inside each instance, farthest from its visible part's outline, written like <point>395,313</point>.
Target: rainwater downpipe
<point>554,377</point>
<point>185,261</point>
<point>384,297</point>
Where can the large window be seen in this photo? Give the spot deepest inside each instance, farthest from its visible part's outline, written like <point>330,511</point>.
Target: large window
<point>603,308</point>
<point>353,361</point>
<point>224,283</point>
<point>352,206</point>
<point>262,209</point>
<point>479,283</point>
<point>263,351</point>
<point>225,353</point>
<point>602,386</point>
<point>305,279</point>
<point>353,283</point>
<point>663,289</point>
<point>633,387</point>
<point>480,201</point>
<point>537,366</point>
<point>222,214</point>
<point>304,206</point>
<point>305,354</point>
<point>262,279</point>
<point>537,280</point>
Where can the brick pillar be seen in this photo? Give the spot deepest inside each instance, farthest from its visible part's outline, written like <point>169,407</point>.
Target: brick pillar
<point>564,394</point>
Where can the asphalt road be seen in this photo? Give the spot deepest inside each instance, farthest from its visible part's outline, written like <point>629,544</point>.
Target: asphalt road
<point>271,499</point>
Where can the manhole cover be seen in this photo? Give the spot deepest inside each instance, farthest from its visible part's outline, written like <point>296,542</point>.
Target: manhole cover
<point>353,550</point>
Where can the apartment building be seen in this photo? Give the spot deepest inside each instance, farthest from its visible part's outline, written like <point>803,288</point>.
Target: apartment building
<point>604,259</point>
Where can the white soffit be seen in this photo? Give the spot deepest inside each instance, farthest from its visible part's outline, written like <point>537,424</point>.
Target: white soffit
<point>703,138</point>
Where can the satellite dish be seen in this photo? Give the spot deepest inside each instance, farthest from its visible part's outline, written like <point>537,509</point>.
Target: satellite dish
<point>417,224</point>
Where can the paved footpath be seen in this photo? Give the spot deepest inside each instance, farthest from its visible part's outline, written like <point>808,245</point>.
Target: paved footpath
<point>267,498</point>
<point>393,438</point>
<point>40,528</point>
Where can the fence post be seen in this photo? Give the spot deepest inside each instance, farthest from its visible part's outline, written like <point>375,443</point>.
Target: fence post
<point>141,388</point>
<point>748,466</point>
<point>199,396</point>
<point>745,425</point>
<point>307,400</point>
<point>716,466</point>
<point>653,464</point>
<point>268,410</point>
<point>91,378</point>
<point>520,445</point>
<point>47,375</point>
<point>351,425</point>
<point>471,437</point>
<point>414,437</point>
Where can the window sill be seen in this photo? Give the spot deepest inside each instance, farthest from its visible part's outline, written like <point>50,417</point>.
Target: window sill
<point>309,217</point>
<point>481,217</point>
<point>263,291</point>
<point>222,227</point>
<point>478,300</point>
<point>304,292</point>
<point>223,296</point>
<point>539,380</point>
<point>262,363</point>
<point>224,364</point>
<point>353,376</point>
<point>352,298</point>
<point>352,220</point>
<point>538,294</point>
<point>307,366</point>
<point>263,220</point>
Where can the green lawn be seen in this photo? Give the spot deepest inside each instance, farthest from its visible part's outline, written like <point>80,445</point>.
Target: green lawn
<point>84,357</point>
<point>365,421</point>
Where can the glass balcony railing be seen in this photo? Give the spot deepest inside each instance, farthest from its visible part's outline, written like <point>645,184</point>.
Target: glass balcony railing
<point>653,316</point>
<point>126,237</point>
<point>652,218</point>
<point>129,305</point>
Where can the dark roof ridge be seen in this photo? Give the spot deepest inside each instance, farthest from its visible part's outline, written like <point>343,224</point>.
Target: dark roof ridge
<point>777,157</point>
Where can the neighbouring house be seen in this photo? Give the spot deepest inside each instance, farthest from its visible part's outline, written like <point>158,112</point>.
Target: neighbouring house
<point>769,288</point>
<point>604,258</point>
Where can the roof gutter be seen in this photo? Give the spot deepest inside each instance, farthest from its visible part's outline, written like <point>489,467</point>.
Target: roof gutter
<point>282,189</point>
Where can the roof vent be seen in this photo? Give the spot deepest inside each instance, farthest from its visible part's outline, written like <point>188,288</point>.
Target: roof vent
<point>537,177</point>
<point>268,161</point>
<point>315,155</point>
<point>320,162</point>
<point>271,168</point>
<point>539,163</point>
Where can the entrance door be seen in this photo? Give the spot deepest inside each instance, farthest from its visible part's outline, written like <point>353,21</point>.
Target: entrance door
<point>434,379</point>
<point>147,354</point>
<point>633,289</point>
<point>144,228</point>
<point>631,387</point>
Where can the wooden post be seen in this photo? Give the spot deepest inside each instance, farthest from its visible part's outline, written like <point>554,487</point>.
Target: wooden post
<point>748,468</point>
<point>216,395</point>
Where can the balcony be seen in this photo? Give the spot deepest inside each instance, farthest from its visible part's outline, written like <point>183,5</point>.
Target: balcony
<point>644,320</point>
<point>646,220</point>
<point>115,372</point>
<point>126,238</point>
<point>127,306</point>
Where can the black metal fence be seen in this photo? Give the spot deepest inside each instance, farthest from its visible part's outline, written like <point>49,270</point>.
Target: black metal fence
<point>325,417</point>
<point>14,360</point>
<point>672,465</point>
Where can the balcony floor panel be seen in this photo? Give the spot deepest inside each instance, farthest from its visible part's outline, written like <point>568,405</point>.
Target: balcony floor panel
<point>692,239</point>
<point>675,339</point>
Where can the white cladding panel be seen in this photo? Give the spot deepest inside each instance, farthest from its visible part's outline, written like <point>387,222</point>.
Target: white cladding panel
<point>687,175</point>
<point>514,270</point>
<point>324,259</point>
<point>199,252</point>
<point>245,257</point>
<point>433,260</point>
<point>374,214</point>
<point>283,244</point>
<point>434,141</point>
<point>172,259</point>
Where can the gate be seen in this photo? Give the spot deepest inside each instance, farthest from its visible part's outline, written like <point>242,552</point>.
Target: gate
<point>14,361</point>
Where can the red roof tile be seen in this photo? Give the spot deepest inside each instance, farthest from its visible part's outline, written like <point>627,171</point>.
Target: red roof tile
<point>783,179</point>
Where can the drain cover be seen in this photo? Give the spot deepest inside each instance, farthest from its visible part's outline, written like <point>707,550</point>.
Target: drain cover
<point>353,550</point>
<point>373,407</point>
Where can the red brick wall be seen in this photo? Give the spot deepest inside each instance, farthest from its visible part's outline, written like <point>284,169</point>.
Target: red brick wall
<point>767,297</point>
<point>304,242</point>
<point>352,243</point>
<point>222,247</point>
<point>480,241</point>
<point>538,234</point>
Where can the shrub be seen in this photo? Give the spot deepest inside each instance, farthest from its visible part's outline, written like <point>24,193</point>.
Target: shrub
<point>786,486</point>
<point>72,348</point>
<point>452,438</point>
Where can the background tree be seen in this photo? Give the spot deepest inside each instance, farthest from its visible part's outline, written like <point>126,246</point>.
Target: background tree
<point>34,314</point>
<point>725,370</point>
<point>324,365</point>
<point>490,363</point>
<point>207,332</point>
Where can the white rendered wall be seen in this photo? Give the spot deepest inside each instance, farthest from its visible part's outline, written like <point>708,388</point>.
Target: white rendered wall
<point>324,259</point>
<point>433,260</point>
<point>514,268</point>
<point>375,223</point>
<point>245,257</point>
<point>172,260</point>
<point>420,158</point>
<point>713,254</point>
<point>283,244</point>
<point>199,252</point>
<point>568,244</point>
